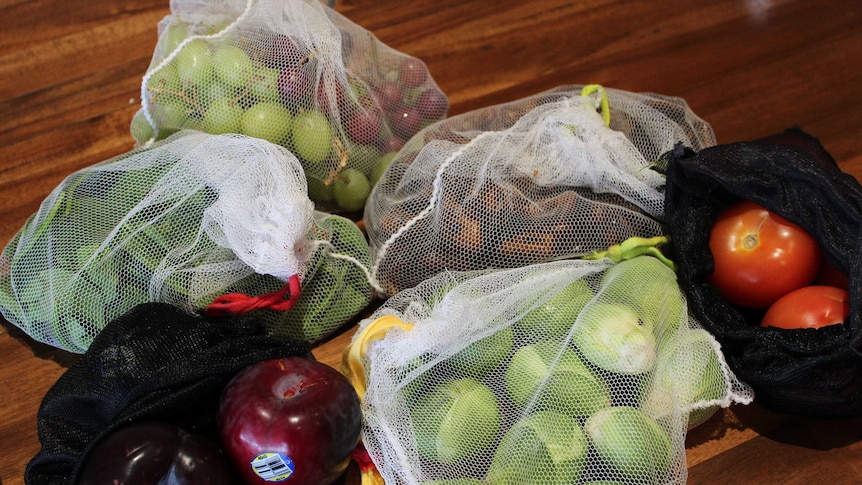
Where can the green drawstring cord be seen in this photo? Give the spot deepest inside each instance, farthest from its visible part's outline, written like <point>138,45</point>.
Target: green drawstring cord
<point>633,247</point>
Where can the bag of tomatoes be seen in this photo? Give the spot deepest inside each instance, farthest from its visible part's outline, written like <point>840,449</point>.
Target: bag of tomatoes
<point>293,72</point>
<point>766,235</point>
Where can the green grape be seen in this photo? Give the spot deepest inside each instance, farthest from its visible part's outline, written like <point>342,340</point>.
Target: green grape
<point>312,136</point>
<point>171,113</point>
<point>194,62</point>
<point>216,90</point>
<point>380,166</point>
<point>362,157</point>
<point>140,128</point>
<point>232,65</point>
<point>165,80</point>
<point>351,189</point>
<point>270,121</point>
<point>172,37</point>
<point>224,115</point>
<point>264,83</point>
<point>319,191</point>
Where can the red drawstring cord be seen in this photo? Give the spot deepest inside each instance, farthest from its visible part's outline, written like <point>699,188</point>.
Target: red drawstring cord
<point>235,303</point>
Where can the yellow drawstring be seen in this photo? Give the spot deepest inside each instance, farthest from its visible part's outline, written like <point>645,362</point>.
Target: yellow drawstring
<point>604,106</point>
<point>351,366</point>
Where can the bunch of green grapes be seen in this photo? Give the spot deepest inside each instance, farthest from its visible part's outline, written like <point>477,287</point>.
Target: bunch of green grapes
<point>278,88</point>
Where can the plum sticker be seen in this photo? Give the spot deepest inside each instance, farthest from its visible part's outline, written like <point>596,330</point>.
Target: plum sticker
<point>273,467</point>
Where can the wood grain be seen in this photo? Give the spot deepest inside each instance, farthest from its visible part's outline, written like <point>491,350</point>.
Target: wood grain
<point>70,75</point>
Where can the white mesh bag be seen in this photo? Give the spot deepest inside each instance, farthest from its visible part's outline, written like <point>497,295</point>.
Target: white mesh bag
<point>557,174</point>
<point>296,73</point>
<point>563,372</point>
<point>215,222</point>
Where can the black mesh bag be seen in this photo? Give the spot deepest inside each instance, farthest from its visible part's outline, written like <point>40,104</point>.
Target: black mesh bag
<point>811,372</point>
<point>154,362</point>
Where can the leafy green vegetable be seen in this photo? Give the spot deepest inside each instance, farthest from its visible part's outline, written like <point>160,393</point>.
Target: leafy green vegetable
<point>611,337</point>
<point>554,378</point>
<point>631,442</point>
<point>456,420</point>
<point>545,448</point>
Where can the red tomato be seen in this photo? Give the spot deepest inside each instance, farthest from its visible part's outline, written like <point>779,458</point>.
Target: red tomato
<point>760,256</point>
<point>809,307</point>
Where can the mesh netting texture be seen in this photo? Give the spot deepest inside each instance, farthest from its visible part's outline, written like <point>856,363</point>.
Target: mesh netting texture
<point>558,174</point>
<point>181,221</point>
<point>557,373</point>
<point>296,73</point>
<point>154,362</point>
<point>810,372</point>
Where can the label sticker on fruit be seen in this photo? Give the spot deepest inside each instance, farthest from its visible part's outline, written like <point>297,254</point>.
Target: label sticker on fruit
<point>273,467</point>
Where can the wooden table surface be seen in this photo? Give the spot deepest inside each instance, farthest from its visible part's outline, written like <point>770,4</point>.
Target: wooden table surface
<point>70,73</point>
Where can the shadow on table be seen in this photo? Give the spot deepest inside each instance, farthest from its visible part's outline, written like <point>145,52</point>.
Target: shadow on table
<point>818,434</point>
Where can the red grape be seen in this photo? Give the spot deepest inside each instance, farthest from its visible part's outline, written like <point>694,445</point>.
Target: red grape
<point>412,72</point>
<point>432,103</point>
<point>405,121</point>
<point>389,95</point>
<point>363,127</point>
<point>294,85</point>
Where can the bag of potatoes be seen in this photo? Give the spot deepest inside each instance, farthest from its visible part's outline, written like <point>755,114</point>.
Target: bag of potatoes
<point>558,174</point>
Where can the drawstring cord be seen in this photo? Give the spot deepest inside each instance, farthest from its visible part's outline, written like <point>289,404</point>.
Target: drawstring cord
<point>236,303</point>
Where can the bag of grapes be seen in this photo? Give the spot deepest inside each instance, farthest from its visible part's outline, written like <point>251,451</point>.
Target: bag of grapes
<point>296,73</point>
<point>215,223</point>
<point>574,371</point>
<point>557,174</point>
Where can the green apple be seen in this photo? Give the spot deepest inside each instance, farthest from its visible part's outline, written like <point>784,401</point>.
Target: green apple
<point>556,316</point>
<point>544,448</point>
<point>631,442</point>
<point>552,376</point>
<point>312,136</point>
<point>165,80</point>
<point>141,128</point>
<point>456,421</point>
<point>611,337</point>
<point>171,38</point>
<point>263,84</point>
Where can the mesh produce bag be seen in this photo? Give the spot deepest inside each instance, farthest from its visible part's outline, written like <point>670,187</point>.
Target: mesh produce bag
<point>153,363</point>
<point>811,372</point>
<point>215,222</point>
<point>558,174</point>
<point>557,373</point>
<point>294,72</point>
